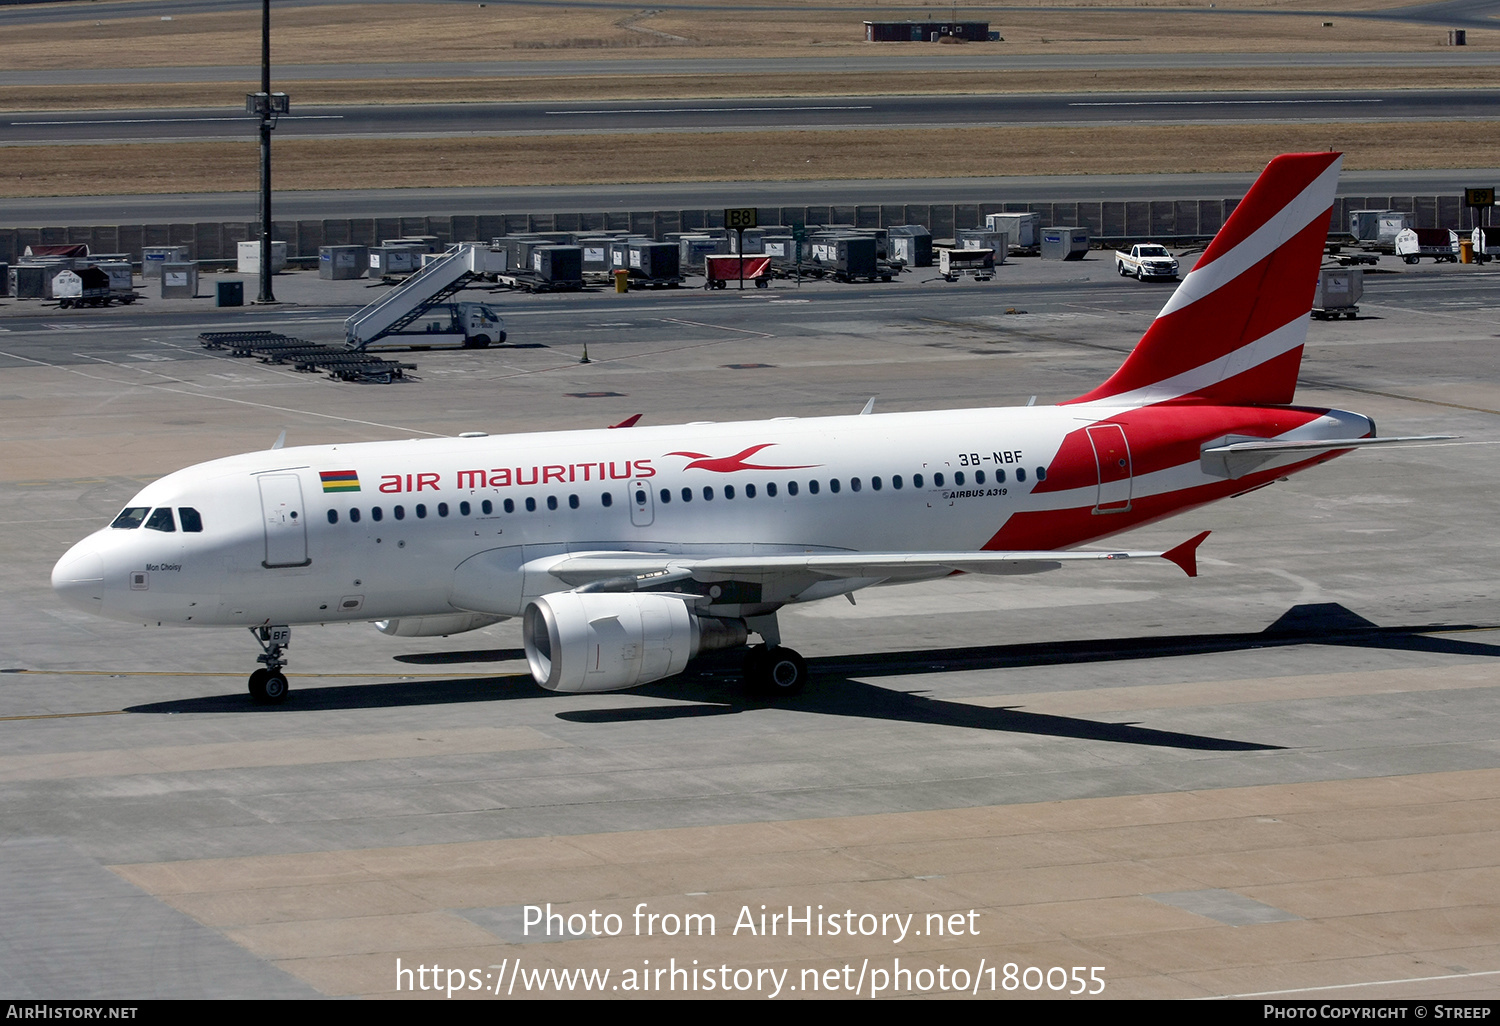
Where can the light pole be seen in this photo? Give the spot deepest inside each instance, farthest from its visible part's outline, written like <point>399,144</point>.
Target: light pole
<point>268,106</point>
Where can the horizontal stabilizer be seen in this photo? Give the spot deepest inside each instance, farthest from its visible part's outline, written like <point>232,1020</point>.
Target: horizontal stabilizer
<point>1236,459</point>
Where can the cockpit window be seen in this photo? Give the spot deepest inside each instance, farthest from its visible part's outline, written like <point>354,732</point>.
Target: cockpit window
<point>191,521</point>
<point>161,520</point>
<point>131,517</point>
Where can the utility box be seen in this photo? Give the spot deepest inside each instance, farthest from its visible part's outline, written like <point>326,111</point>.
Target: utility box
<point>343,263</point>
<point>152,257</point>
<point>1338,294</point>
<point>179,280</point>
<point>229,293</point>
<point>1024,230</point>
<point>1064,243</point>
<point>249,257</point>
<point>911,244</point>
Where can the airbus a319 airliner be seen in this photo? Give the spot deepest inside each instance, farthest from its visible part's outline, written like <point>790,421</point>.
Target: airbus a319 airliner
<point>628,552</point>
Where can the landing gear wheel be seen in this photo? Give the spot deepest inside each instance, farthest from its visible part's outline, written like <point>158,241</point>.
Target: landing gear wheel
<point>268,687</point>
<point>775,672</point>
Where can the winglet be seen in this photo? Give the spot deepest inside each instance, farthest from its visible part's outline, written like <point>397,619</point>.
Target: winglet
<point>1186,554</point>
<point>627,422</point>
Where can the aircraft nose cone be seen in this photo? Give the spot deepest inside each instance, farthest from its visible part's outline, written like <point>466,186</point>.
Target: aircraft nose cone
<point>78,578</point>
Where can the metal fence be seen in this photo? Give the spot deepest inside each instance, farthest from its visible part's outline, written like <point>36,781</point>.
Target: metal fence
<point>1106,220</point>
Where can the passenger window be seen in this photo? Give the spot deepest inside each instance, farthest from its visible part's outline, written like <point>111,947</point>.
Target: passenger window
<point>875,483</point>
<point>609,500</point>
<point>791,487</point>
<point>958,478</point>
<point>572,502</point>
<point>729,491</point>
<point>1020,473</point>
<point>463,509</point>
<point>131,518</point>
<point>399,512</point>
<point>666,496</point>
<point>812,488</point>
<point>771,489</point>
<point>896,481</point>
<point>530,504</point>
<point>333,516</point>
<point>191,521</point>
<point>708,494</point>
<point>421,511</point>
<point>161,520</point>
<point>833,486</point>
<point>551,502</point>
<point>442,509</point>
<point>687,495</point>
<point>937,480</point>
<point>1041,473</point>
<point>999,477</point>
<point>854,484</point>
<point>979,477</point>
<point>510,506</point>
<point>749,491</point>
<point>916,480</point>
<point>354,515</point>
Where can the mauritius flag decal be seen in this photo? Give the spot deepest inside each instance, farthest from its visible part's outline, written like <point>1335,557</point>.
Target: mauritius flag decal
<point>339,480</point>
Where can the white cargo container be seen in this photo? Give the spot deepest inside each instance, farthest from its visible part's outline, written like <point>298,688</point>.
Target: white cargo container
<point>249,257</point>
<point>1338,294</point>
<point>1412,244</point>
<point>1024,230</point>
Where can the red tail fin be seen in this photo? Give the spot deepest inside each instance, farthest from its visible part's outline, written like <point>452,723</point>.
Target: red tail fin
<point>1233,331</point>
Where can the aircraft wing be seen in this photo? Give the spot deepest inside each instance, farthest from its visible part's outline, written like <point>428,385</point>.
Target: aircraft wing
<point>627,570</point>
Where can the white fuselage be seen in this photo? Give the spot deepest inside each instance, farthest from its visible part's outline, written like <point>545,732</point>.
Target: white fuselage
<point>385,530</point>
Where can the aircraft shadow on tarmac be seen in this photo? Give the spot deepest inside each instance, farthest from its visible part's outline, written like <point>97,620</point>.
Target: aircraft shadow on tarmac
<point>711,687</point>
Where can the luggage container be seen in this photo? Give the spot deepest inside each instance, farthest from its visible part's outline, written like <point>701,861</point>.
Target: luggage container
<point>655,263</point>
<point>1338,294</point>
<point>249,257</point>
<point>393,261</point>
<point>50,270</point>
<point>997,242</point>
<point>973,262</point>
<point>28,281</point>
<point>595,249</point>
<point>229,293</point>
<point>1064,243</point>
<point>343,263</point>
<point>1024,230</point>
<point>848,258</point>
<point>179,280</point>
<point>1412,244</point>
<point>121,280</point>
<point>692,249</point>
<point>558,266</point>
<point>910,245</point>
<point>1392,223</point>
<point>619,250</point>
<point>1364,225</point>
<point>152,257</point>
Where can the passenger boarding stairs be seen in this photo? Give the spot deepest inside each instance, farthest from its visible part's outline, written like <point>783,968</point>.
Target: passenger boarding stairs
<point>429,287</point>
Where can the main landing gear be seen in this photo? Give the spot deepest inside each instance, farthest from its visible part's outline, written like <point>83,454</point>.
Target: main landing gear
<point>775,671</point>
<point>268,685</point>
<point>771,670</point>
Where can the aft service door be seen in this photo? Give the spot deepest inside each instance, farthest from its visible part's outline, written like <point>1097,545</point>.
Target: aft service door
<point>285,520</point>
<point>642,508</point>
<point>1112,455</point>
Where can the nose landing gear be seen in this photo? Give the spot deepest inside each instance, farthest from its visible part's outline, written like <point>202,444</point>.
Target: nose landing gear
<point>268,686</point>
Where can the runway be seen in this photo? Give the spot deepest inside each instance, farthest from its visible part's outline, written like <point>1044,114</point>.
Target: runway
<point>710,115</point>
<point>1277,778</point>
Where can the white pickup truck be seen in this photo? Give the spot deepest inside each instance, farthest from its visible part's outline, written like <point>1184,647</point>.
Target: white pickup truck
<point>1146,260</point>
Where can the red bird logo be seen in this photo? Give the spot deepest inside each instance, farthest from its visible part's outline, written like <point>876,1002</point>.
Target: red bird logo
<point>729,464</point>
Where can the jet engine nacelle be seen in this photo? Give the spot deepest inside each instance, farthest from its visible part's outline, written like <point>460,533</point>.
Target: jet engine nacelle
<point>604,641</point>
<point>436,626</point>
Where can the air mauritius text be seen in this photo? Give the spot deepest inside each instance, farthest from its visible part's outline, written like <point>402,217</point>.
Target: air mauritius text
<point>806,921</point>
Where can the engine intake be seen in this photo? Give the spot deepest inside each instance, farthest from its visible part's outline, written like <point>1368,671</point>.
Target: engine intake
<point>583,642</point>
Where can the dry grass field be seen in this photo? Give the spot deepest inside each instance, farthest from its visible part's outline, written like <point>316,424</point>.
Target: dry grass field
<point>567,160</point>
<point>397,33</point>
<point>390,33</point>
